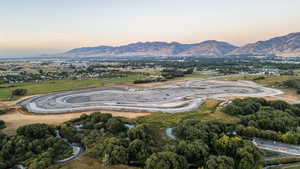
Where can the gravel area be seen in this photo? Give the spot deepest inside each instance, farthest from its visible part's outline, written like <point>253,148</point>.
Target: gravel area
<point>170,98</point>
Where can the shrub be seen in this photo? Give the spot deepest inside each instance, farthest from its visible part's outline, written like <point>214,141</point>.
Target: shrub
<point>19,92</point>
<point>2,124</point>
<point>166,160</point>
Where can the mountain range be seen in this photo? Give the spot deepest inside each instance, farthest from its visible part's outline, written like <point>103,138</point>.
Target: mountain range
<point>285,46</point>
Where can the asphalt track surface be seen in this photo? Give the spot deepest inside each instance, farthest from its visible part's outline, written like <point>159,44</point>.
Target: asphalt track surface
<point>169,98</point>
<point>277,147</point>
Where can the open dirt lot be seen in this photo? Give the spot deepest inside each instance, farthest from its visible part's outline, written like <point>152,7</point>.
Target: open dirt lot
<point>16,118</point>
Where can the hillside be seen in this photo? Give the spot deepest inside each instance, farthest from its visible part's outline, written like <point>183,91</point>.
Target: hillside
<point>206,48</point>
<point>286,46</point>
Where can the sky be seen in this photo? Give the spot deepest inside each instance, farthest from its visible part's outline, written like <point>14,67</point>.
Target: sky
<point>35,27</point>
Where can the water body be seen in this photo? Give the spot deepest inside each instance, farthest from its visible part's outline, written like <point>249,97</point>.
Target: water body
<point>130,126</point>
<point>169,133</point>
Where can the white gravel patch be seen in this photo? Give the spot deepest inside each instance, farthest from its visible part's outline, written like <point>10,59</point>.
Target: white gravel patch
<point>170,98</point>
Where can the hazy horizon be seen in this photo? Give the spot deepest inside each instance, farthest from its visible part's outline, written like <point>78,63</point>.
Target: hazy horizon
<point>33,27</point>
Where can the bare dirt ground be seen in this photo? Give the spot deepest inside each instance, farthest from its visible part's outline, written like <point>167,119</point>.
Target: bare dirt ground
<point>290,93</point>
<point>10,104</point>
<point>16,118</point>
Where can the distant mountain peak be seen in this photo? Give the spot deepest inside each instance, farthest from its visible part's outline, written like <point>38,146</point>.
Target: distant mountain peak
<point>216,49</point>
<point>288,45</point>
<point>211,41</point>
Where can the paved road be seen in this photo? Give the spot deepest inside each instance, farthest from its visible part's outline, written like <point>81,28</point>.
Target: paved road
<point>277,147</point>
<point>77,149</point>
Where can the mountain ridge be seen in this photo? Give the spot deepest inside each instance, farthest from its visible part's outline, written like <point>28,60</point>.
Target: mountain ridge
<point>285,46</point>
<point>206,48</point>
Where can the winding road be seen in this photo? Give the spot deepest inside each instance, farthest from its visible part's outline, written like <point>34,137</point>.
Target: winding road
<point>77,149</point>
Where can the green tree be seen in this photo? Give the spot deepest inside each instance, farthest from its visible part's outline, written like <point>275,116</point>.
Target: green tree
<point>247,156</point>
<point>195,152</point>
<point>166,160</point>
<point>111,152</point>
<point>291,137</point>
<point>115,126</point>
<point>219,162</point>
<point>35,131</point>
<point>2,124</point>
<point>232,109</point>
<point>280,105</point>
<point>139,151</point>
<point>100,117</point>
<point>141,132</point>
<point>228,145</point>
<point>19,92</point>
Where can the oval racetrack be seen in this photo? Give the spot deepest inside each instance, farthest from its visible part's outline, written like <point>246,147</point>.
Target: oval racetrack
<point>170,98</point>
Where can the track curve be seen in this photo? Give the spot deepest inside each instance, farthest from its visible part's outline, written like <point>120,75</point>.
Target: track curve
<point>170,98</point>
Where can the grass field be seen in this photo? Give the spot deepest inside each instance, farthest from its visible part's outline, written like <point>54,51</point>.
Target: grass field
<point>270,153</point>
<point>268,80</point>
<point>297,72</point>
<point>60,85</point>
<point>199,75</point>
<point>298,167</point>
<point>292,162</point>
<point>208,111</point>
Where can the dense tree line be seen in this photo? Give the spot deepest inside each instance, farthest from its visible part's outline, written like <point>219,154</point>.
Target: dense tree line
<point>34,146</point>
<point>91,72</point>
<point>222,65</point>
<point>198,144</point>
<point>215,147</point>
<point>174,73</point>
<point>150,79</point>
<point>275,120</point>
<point>166,74</point>
<point>110,140</point>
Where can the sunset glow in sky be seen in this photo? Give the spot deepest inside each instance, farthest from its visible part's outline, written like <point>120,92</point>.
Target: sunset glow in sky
<point>34,27</point>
